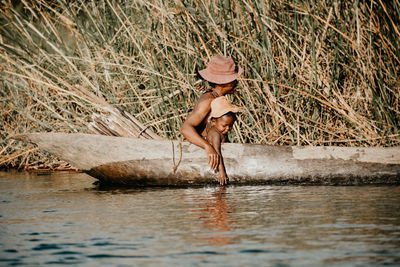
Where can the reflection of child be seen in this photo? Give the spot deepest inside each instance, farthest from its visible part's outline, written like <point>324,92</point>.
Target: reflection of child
<point>222,117</point>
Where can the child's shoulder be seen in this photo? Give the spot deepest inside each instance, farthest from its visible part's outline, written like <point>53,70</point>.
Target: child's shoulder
<point>205,100</point>
<point>207,96</point>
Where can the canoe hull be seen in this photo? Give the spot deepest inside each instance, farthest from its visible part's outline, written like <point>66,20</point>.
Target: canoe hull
<point>140,162</point>
<point>151,173</point>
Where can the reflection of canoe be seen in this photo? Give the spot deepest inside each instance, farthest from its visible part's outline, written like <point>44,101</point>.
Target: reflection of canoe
<point>160,162</point>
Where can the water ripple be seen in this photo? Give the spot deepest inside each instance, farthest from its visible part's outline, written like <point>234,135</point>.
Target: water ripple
<point>261,251</point>
<point>64,220</point>
<point>117,256</point>
<point>47,247</point>
<point>67,252</point>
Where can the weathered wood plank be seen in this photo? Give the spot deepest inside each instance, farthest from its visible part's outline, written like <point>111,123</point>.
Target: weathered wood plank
<point>133,161</point>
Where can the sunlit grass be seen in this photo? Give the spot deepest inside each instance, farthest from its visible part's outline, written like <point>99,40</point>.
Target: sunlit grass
<point>314,73</point>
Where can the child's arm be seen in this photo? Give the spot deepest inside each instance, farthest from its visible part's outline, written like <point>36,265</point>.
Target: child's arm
<point>215,139</point>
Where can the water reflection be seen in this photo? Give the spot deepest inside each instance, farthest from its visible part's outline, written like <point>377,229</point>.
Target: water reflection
<point>58,217</point>
<point>216,219</point>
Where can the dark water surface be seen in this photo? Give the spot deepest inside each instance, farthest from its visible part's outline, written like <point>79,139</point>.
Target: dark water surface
<point>63,219</point>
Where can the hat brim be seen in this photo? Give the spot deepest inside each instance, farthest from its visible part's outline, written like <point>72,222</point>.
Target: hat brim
<point>219,113</point>
<point>219,78</point>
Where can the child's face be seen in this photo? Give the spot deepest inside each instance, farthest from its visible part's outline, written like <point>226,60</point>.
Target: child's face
<point>223,124</point>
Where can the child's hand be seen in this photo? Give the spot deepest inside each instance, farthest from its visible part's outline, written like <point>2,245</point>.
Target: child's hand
<point>223,178</point>
<point>212,157</point>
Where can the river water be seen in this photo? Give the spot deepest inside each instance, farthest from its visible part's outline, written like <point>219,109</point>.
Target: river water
<point>62,218</point>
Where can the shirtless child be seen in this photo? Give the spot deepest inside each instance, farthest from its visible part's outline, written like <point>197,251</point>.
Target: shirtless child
<point>222,117</point>
<point>222,74</point>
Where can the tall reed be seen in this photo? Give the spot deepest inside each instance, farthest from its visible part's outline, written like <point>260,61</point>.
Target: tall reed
<point>315,72</point>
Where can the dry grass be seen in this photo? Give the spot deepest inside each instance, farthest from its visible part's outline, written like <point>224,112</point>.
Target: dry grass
<point>314,73</point>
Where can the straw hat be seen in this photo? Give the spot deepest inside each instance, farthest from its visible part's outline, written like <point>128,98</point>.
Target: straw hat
<point>221,106</point>
<point>221,70</point>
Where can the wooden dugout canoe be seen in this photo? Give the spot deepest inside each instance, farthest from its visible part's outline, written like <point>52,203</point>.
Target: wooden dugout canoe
<point>128,161</point>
